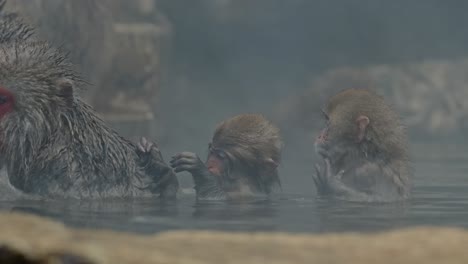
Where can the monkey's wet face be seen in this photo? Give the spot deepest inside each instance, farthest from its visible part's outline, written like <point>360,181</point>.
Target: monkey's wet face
<point>340,135</point>
<point>6,101</point>
<point>217,161</point>
<point>330,148</point>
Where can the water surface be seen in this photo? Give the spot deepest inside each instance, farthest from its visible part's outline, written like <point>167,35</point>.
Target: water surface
<point>440,198</point>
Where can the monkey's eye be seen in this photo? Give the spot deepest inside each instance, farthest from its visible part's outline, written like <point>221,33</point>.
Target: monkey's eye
<point>221,155</point>
<point>3,99</point>
<point>218,152</point>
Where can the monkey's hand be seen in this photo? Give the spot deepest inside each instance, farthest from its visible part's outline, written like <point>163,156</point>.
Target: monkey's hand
<point>148,149</point>
<point>325,181</point>
<point>328,183</point>
<point>188,161</point>
<point>206,184</point>
<point>164,180</point>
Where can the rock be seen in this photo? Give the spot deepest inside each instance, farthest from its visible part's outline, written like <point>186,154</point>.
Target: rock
<point>120,47</point>
<point>81,28</point>
<point>31,239</point>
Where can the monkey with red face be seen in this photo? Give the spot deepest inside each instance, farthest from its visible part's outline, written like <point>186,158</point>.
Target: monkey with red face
<point>363,147</point>
<point>242,162</point>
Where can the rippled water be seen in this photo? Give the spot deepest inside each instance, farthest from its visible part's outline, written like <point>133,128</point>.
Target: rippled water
<point>440,197</point>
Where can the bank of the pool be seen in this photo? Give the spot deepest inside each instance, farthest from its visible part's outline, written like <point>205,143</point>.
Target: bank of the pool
<point>31,239</point>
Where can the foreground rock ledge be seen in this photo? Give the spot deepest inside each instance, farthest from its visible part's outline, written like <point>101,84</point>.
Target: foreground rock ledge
<point>31,239</point>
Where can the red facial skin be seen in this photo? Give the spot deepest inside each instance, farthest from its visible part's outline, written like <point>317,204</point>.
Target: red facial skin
<point>322,137</point>
<point>7,102</point>
<point>215,164</point>
<point>321,142</point>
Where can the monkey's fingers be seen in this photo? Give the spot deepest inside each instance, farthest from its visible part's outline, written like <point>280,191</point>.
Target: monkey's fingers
<point>339,175</point>
<point>185,167</point>
<point>327,169</point>
<point>141,148</point>
<point>321,180</point>
<point>186,155</point>
<point>146,145</point>
<point>149,147</point>
<point>174,159</point>
<point>143,141</point>
<point>316,181</point>
<point>183,161</point>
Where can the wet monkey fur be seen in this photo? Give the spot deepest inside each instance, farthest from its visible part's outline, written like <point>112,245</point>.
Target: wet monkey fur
<point>364,150</point>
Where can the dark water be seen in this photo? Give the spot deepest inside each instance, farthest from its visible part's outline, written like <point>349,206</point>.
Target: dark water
<point>440,198</point>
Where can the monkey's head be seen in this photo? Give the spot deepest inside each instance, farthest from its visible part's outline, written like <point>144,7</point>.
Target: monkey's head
<point>248,145</point>
<point>358,119</point>
<point>32,73</point>
<point>36,87</point>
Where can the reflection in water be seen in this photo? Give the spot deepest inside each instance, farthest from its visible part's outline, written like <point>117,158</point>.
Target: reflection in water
<point>242,216</point>
<point>439,198</point>
<point>342,216</point>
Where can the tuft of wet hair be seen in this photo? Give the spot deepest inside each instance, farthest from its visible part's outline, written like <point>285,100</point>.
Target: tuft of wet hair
<point>250,138</point>
<point>255,143</point>
<point>12,27</point>
<point>35,63</point>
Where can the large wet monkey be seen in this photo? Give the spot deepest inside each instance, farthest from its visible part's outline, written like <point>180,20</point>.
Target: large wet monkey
<point>363,147</point>
<point>242,162</point>
<point>52,144</point>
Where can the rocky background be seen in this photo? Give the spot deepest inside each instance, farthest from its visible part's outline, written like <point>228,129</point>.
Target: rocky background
<point>432,96</point>
<point>226,56</point>
<point>121,48</point>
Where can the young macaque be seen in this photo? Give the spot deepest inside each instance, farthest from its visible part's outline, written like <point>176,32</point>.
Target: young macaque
<point>242,162</point>
<point>363,147</point>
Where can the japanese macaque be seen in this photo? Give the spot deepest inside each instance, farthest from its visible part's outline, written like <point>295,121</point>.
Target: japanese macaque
<point>52,144</point>
<point>242,161</point>
<point>364,150</point>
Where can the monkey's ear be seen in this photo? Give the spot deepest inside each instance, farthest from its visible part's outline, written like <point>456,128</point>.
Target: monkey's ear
<point>65,89</point>
<point>362,122</point>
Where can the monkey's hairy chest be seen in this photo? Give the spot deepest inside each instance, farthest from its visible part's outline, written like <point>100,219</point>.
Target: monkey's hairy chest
<point>363,177</point>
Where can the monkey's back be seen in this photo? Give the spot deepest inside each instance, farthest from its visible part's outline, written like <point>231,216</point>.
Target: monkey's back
<point>53,144</point>
<point>83,158</point>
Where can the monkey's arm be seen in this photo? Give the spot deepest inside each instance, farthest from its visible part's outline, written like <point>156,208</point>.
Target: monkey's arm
<point>164,180</point>
<point>328,183</point>
<point>206,184</point>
